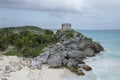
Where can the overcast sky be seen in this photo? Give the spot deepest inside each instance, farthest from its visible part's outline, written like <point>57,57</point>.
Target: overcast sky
<point>82,14</point>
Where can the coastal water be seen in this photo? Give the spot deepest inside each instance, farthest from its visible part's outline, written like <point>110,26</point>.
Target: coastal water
<point>106,66</point>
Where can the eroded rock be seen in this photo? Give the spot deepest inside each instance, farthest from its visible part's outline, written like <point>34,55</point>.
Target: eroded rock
<point>86,67</point>
<point>4,79</point>
<point>70,54</point>
<point>80,72</point>
<point>55,60</point>
<point>89,52</point>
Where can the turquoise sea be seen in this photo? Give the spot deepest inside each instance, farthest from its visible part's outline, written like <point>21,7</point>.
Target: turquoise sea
<point>106,65</point>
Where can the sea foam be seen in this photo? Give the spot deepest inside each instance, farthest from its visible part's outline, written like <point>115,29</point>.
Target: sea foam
<point>105,68</point>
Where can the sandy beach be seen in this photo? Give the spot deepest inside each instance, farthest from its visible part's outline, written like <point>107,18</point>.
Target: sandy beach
<point>26,73</point>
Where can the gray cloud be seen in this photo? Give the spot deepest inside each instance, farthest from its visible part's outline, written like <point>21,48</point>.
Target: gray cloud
<point>2,19</point>
<point>47,5</point>
<point>90,14</point>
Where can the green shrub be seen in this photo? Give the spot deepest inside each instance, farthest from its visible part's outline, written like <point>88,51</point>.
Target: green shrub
<point>49,32</point>
<point>12,53</point>
<point>69,35</point>
<point>3,43</point>
<point>89,39</point>
<point>34,52</point>
<point>79,34</point>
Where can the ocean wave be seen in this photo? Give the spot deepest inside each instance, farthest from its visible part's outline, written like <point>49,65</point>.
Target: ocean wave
<point>104,67</point>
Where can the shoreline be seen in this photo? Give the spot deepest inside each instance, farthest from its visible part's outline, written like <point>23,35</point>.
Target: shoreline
<point>45,73</point>
<point>104,67</point>
<point>68,48</point>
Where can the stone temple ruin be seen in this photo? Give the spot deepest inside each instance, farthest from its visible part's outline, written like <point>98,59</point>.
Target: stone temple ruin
<point>66,26</point>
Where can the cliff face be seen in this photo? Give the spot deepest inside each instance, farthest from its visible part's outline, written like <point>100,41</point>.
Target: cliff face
<point>70,52</point>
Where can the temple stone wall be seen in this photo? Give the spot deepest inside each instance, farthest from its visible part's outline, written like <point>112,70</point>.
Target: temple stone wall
<point>66,26</point>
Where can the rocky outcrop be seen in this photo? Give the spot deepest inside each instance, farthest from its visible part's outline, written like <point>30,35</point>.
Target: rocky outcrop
<point>12,67</point>
<point>55,60</point>
<point>89,52</point>
<point>70,54</point>
<point>3,79</point>
<point>86,67</point>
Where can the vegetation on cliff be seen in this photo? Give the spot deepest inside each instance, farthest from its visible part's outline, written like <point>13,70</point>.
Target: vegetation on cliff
<point>67,48</point>
<point>67,34</point>
<point>27,40</point>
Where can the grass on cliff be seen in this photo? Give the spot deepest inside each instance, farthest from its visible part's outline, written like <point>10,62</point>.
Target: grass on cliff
<point>34,52</point>
<point>12,53</point>
<point>27,40</point>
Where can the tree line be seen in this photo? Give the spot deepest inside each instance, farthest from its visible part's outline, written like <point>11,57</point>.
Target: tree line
<point>25,41</point>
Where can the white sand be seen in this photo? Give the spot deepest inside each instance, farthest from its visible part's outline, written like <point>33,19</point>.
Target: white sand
<point>42,74</point>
